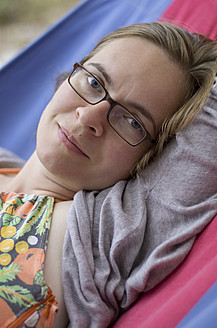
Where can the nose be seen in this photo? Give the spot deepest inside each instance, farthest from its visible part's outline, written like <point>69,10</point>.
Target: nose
<point>93,117</point>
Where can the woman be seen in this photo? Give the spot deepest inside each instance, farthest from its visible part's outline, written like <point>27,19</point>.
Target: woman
<point>117,109</point>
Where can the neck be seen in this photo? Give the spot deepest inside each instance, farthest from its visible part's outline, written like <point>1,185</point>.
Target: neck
<point>35,179</point>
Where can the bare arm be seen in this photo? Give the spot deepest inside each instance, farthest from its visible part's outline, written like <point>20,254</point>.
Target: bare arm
<point>53,260</point>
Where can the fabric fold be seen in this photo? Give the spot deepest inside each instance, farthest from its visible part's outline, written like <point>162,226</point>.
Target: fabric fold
<point>124,240</point>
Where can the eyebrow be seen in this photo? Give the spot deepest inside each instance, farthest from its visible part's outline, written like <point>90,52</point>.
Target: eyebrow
<point>144,112</point>
<point>102,70</point>
<point>138,107</point>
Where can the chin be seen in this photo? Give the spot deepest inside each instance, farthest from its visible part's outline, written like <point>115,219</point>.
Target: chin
<point>48,160</point>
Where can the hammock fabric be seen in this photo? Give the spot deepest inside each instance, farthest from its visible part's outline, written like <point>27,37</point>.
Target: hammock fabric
<point>187,298</point>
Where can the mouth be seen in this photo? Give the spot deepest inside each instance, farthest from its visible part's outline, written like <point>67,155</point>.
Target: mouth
<point>69,141</point>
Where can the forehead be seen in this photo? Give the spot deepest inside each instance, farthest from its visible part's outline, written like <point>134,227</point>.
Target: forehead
<point>140,70</point>
<point>130,53</point>
<point>136,59</point>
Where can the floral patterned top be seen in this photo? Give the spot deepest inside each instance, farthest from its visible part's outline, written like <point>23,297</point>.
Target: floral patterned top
<point>25,299</point>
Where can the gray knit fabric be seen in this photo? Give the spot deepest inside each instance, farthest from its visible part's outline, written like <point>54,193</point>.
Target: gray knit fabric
<point>126,239</point>
<point>9,159</point>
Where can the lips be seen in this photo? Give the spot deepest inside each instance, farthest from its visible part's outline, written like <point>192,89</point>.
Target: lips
<point>69,141</point>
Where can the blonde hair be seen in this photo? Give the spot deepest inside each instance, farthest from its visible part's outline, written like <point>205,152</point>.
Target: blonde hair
<point>195,54</point>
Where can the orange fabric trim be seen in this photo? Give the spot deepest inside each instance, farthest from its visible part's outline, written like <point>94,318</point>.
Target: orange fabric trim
<point>9,170</point>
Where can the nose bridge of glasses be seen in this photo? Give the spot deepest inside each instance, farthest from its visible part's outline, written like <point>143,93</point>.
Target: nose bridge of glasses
<point>97,108</point>
<point>102,107</point>
<point>110,100</point>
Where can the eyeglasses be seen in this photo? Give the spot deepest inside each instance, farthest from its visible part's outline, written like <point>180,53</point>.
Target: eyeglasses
<point>124,123</point>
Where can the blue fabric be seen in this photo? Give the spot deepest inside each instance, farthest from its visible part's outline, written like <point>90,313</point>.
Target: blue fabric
<point>28,82</point>
<point>204,313</point>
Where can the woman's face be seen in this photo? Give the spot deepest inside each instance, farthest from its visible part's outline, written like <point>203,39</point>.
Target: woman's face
<point>75,141</point>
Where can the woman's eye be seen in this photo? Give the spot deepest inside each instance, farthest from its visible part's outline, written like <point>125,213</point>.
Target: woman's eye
<point>94,83</point>
<point>135,124</point>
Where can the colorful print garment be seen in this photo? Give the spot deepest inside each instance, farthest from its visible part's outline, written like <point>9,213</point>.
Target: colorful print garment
<point>25,299</point>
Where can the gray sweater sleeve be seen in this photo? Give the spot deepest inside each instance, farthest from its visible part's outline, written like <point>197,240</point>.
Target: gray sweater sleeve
<point>124,240</point>
<point>9,159</point>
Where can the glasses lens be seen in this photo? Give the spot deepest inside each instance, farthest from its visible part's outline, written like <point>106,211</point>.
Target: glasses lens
<point>126,125</point>
<point>87,86</point>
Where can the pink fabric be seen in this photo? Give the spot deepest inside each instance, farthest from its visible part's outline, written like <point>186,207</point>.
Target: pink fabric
<point>171,300</point>
<point>198,16</point>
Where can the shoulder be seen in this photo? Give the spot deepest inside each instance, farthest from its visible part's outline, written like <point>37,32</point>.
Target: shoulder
<point>59,219</point>
<point>61,210</point>
<point>5,179</point>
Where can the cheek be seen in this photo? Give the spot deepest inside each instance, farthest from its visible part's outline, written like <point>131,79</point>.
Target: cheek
<point>123,158</point>
<point>64,100</point>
